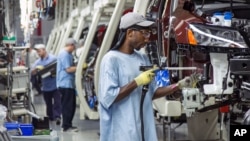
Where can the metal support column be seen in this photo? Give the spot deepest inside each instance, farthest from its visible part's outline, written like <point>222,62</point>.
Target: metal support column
<point>50,41</point>
<point>91,114</point>
<point>60,31</point>
<point>141,6</point>
<point>108,38</point>
<point>79,29</point>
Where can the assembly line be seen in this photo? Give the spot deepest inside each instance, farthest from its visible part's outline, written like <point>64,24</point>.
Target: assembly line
<point>129,65</point>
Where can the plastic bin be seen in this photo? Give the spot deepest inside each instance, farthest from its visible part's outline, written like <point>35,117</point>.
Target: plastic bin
<point>13,128</point>
<point>11,125</point>
<point>27,129</point>
<point>24,129</point>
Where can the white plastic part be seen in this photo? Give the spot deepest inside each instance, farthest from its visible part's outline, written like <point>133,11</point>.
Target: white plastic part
<point>192,98</point>
<point>227,23</point>
<point>23,111</point>
<point>167,107</point>
<point>220,70</point>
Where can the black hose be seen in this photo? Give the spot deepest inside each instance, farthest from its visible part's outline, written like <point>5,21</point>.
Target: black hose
<point>144,91</point>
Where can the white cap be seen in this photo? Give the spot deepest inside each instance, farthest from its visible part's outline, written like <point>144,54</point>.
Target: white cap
<point>39,46</point>
<point>131,19</point>
<point>71,41</point>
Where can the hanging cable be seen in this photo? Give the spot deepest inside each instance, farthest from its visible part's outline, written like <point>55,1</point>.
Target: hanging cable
<point>144,91</point>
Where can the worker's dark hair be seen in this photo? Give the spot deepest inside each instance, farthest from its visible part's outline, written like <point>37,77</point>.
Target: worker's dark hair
<point>121,39</point>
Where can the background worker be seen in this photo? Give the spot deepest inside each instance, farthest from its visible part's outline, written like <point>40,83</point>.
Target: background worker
<point>120,85</point>
<point>66,83</point>
<point>90,55</point>
<point>50,93</point>
<point>33,56</point>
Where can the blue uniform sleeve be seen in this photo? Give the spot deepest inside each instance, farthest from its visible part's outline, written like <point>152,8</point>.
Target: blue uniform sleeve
<point>66,61</point>
<point>53,58</point>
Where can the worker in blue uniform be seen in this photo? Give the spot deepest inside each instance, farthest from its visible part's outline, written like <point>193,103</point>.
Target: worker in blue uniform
<point>66,83</point>
<point>51,94</point>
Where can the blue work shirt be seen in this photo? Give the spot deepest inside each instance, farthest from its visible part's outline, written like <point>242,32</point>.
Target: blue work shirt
<point>120,121</point>
<point>48,83</point>
<point>63,78</point>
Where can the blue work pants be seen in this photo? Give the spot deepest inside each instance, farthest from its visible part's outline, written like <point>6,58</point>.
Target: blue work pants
<point>53,104</point>
<point>68,96</point>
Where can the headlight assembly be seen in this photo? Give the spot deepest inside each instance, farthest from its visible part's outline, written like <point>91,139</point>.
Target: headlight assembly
<point>210,35</point>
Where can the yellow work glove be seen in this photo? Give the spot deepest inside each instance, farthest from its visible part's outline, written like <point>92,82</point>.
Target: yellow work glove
<point>145,77</point>
<point>39,67</point>
<point>189,81</point>
<point>85,65</point>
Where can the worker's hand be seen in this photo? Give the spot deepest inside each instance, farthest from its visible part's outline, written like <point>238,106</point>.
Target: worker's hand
<point>145,77</point>
<point>195,78</point>
<point>85,65</point>
<point>189,81</point>
<point>184,83</point>
<point>39,67</point>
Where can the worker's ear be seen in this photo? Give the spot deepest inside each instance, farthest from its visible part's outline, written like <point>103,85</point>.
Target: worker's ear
<point>129,32</point>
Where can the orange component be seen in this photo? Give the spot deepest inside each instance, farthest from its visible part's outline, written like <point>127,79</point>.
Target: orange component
<point>191,37</point>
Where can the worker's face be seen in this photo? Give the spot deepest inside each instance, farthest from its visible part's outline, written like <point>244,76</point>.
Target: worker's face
<point>41,52</point>
<point>72,48</point>
<point>139,37</point>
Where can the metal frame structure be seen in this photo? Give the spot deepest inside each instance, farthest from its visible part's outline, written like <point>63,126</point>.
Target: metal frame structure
<point>140,6</point>
<point>18,85</point>
<point>70,24</point>
<point>106,11</point>
<point>64,28</point>
<point>99,8</point>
